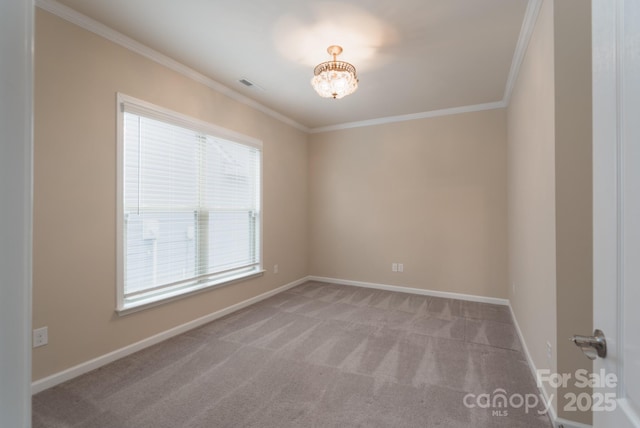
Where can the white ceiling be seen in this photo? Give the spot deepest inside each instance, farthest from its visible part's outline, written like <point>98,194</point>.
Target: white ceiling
<point>412,56</point>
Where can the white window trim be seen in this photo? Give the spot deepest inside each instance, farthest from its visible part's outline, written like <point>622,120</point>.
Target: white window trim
<point>134,105</point>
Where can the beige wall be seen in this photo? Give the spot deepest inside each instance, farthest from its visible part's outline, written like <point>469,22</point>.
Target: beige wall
<point>574,233</point>
<point>77,77</point>
<point>429,193</point>
<point>550,192</point>
<point>532,208</point>
<point>445,196</point>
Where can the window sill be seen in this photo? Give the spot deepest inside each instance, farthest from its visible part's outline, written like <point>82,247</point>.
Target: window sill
<point>129,307</point>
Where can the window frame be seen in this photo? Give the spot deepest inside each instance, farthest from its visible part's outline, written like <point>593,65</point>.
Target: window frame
<point>149,110</point>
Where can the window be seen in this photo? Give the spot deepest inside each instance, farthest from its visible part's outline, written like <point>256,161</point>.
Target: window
<point>188,205</point>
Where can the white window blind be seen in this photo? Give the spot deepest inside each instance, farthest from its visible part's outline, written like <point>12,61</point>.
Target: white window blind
<point>190,207</point>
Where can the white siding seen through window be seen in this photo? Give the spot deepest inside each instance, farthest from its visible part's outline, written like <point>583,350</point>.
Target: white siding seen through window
<point>189,205</point>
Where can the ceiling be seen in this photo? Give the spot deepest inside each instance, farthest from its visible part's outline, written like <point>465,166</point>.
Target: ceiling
<point>412,56</point>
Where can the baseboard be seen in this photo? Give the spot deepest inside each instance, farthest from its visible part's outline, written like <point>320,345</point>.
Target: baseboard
<point>532,366</point>
<point>411,290</point>
<point>557,422</point>
<point>70,373</point>
<point>80,369</point>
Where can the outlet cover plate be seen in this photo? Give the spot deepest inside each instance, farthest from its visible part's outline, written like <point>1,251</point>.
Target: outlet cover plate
<point>40,336</point>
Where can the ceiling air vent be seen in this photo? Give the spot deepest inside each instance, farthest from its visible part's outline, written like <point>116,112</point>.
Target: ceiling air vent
<point>249,84</point>
<point>245,82</point>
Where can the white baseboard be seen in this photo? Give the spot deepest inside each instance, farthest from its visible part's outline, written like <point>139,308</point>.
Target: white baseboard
<point>532,366</point>
<point>411,290</point>
<point>72,372</point>
<point>557,422</point>
<point>80,369</point>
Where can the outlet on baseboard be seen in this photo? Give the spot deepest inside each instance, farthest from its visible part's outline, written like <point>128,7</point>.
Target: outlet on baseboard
<point>40,336</point>
<point>275,268</point>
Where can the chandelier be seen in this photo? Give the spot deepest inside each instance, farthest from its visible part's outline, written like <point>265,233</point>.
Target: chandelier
<point>334,79</point>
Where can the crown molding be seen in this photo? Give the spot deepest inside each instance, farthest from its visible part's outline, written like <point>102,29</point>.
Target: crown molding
<point>110,34</point>
<point>89,24</point>
<point>406,117</point>
<point>528,24</point>
<point>526,31</point>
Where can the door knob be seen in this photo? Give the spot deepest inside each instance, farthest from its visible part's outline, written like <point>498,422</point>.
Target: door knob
<point>592,346</point>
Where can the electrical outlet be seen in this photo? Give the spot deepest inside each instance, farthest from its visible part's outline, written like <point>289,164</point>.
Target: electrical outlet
<point>394,267</point>
<point>275,268</point>
<point>40,336</point>
<point>400,267</point>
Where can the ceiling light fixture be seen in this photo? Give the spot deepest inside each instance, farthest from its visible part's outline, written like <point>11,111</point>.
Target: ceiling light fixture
<point>334,79</point>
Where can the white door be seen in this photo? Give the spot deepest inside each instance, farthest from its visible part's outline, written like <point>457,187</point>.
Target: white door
<point>616,193</point>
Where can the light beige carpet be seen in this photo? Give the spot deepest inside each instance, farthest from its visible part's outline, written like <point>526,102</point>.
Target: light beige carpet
<point>319,355</point>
